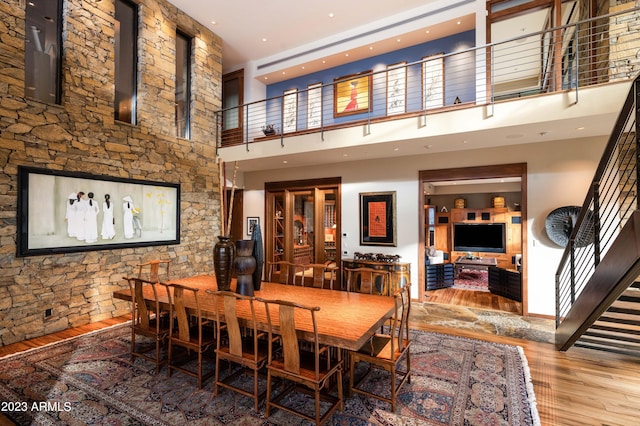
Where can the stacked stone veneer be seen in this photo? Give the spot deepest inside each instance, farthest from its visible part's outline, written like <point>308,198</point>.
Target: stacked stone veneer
<point>81,135</point>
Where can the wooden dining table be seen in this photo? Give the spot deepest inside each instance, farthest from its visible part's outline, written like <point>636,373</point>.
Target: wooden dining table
<point>345,320</point>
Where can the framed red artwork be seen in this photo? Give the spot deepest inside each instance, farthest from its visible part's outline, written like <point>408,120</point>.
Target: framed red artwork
<point>378,218</point>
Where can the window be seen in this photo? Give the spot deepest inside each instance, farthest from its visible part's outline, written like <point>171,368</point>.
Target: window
<point>43,38</point>
<point>183,84</point>
<point>126,36</point>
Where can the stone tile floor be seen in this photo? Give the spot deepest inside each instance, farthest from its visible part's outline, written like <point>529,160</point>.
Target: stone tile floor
<point>484,321</point>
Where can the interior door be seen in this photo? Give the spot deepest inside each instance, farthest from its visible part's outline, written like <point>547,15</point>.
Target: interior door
<point>232,100</point>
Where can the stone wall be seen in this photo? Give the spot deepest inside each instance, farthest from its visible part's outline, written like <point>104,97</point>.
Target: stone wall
<point>81,135</point>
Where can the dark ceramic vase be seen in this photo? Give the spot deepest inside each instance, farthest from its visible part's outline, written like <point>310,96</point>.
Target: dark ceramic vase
<point>258,255</point>
<point>223,254</point>
<point>245,265</point>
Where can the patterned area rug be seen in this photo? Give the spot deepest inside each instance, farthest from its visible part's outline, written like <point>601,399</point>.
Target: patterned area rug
<point>90,380</point>
<point>471,279</point>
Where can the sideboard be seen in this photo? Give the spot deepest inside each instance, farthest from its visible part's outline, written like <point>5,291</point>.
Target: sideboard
<point>400,271</point>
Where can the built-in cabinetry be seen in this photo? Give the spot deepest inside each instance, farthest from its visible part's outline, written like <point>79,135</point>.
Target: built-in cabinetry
<point>442,232</point>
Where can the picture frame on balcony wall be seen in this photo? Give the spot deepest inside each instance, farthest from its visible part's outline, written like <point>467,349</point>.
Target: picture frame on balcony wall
<point>396,88</point>
<point>290,111</point>
<point>433,81</point>
<point>352,94</point>
<point>378,218</point>
<point>314,106</point>
<point>64,212</point>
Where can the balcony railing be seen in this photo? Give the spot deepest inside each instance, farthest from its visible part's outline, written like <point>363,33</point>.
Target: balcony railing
<point>570,57</point>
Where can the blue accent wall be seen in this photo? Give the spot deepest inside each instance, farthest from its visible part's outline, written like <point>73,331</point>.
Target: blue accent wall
<point>456,84</point>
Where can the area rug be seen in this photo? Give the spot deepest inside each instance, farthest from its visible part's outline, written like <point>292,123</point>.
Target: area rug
<point>472,279</point>
<point>91,380</point>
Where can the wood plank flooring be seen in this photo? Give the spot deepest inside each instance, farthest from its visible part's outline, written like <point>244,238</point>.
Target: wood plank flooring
<point>578,387</point>
<point>473,299</point>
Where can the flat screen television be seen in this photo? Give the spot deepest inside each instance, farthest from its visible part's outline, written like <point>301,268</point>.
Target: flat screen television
<point>486,237</point>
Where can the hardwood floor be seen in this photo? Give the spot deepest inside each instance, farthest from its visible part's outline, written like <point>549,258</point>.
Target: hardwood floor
<point>472,299</point>
<point>577,387</point>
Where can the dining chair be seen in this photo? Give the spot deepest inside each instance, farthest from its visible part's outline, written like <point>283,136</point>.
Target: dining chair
<point>244,346</point>
<point>152,270</point>
<point>192,332</point>
<point>386,351</point>
<point>148,320</point>
<point>284,270</point>
<point>301,370</point>
<point>368,280</point>
<point>319,274</point>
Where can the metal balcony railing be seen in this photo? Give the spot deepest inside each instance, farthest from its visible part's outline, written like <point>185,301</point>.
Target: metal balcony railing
<point>580,54</point>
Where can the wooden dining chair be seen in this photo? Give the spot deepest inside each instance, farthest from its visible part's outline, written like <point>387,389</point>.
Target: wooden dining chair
<point>318,275</point>
<point>285,272</point>
<point>152,270</point>
<point>192,332</point>
<point>244,346</point>
<point>301,369</point>
<point>386,351</point>
<point>368,280</point>
<point>148,320</point>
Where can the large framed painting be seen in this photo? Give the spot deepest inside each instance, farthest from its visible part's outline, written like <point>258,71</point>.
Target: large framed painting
<point>396,88</point>
<point>61,212</point>
<point>433,81</point>
<point>378,218</point>
<point>352,94</point>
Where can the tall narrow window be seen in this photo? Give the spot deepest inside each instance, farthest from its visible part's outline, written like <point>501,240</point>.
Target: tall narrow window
<point>183,84</point>
<point>43,37</point>
<point>126,60</point>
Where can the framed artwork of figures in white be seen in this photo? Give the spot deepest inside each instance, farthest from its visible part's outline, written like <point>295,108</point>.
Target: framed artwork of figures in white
<point>433,81</point>
<point>314,106</point>
<point>396,88</point>
<point>290,111</point>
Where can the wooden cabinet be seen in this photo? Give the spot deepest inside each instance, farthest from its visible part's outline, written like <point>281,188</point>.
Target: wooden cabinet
<point>400,271</point>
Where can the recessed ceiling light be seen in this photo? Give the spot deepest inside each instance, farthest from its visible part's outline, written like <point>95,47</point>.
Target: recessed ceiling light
<point>264,39</point>
<point>370,47</point>
<point>331,15</point>
<point>285,162</point>
<point>579,128</point>
<point>302,67</point>
<point>427,31</point>
<point>324,62</point>
<point>398,40</point>
<point>214,23</point>
<point>284,72</point>
<point>345,155</point>
<point>459,22</point>
<point>346,54</point>
<point>266,78</point>
<point>396,149</point>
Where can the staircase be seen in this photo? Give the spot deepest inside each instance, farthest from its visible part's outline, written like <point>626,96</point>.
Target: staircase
<point>598,280</point>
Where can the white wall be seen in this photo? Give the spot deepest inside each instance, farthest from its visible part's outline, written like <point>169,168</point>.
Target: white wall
<point>559,173</point>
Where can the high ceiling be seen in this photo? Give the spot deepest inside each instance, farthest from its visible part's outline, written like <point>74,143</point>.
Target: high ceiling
<point>255,31</point>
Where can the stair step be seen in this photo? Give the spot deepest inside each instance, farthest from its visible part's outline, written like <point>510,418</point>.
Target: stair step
<point>618,335</point>
<point>628,311</point>
<point>579,344</point>
<point>606,343</point>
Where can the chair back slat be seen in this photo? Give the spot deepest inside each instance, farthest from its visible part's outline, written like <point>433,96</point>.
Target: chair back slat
<point>153,273</point>
<point>178,309</point>
<point>233,327</point>
<point>400,323</point>
<point>290,346</point>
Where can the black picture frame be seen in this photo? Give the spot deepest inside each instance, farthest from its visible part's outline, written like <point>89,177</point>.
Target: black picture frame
<point>251,221</point>
<point>140,213</point>
<point>378,218</point>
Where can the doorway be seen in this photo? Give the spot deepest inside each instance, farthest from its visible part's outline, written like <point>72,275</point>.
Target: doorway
<point>304,222</point>
<point>434,230</point>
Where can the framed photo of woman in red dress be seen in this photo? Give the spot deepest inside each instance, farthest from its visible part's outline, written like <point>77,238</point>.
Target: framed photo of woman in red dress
<point>352,94</point>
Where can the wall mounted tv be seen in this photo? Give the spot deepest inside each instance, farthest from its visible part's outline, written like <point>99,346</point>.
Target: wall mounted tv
<point>486,237</point>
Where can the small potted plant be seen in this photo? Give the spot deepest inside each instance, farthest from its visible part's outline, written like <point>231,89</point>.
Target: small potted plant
<point>269,129</point>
